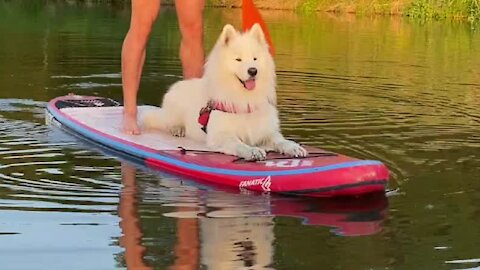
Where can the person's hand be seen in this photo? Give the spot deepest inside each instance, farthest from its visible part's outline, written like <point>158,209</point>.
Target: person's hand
<point>129,124</point>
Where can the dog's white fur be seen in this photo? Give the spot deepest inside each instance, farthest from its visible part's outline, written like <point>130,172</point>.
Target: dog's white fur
<point>246,135</point>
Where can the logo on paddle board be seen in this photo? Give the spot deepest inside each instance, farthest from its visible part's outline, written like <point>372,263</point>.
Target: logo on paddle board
<point>289,163</point>
<point>265,183</point>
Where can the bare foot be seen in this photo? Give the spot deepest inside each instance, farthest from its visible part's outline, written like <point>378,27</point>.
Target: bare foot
<point>130,125</point>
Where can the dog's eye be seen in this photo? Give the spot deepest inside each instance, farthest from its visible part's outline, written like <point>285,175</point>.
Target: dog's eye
<point>239,60</point>
<point>254,59</point>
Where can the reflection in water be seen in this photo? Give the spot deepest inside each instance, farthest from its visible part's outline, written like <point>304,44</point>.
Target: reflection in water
<point>131,232</point>
<point>56,199</point>
<point>237,242</point>
<point>401,91</point>
<point>229,229</point>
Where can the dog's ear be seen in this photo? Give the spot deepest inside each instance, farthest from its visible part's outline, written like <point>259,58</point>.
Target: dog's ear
<point>257,32</point>
<point>228,33</point>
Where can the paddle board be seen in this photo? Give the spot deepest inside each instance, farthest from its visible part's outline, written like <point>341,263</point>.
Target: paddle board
<point>320,174</point>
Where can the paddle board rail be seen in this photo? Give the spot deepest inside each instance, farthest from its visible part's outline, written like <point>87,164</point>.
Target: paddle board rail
<point>321,174</point>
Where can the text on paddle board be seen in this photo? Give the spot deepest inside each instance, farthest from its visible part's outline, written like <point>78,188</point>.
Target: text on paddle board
<point>265,183</point>
<point>289,163</point>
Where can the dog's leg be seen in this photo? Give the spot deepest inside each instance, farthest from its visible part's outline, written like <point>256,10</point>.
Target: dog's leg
<point>233,146</point>
<point>177,131</point>
<point>162,120</point>
<point>278,143</point>
<point>249,152</point>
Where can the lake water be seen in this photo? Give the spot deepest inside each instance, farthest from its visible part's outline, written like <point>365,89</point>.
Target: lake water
<point>401,91</point>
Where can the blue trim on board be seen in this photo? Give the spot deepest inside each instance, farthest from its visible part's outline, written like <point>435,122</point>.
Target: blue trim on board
<point>96,137</point>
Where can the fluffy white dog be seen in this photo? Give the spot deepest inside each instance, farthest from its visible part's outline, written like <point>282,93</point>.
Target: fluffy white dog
<point>233,106</point>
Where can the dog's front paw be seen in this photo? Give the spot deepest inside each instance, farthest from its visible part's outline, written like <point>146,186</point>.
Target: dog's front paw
<point>177,131</point>
<point>252,153</point>
<point>292,149</point>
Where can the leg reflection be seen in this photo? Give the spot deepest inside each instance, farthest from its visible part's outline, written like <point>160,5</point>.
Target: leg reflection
<point>131,232</point>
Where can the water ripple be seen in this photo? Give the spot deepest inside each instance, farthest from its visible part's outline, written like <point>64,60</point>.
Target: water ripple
<point>376,118</point>
<point>38,171</point>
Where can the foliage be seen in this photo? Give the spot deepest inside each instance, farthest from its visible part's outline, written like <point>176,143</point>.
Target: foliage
<point>422,9</point>
<point>309,6</point>
<point>469,9</point>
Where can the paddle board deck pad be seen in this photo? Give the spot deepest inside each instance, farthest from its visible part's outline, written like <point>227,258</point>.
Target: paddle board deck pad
<point>320,174</point>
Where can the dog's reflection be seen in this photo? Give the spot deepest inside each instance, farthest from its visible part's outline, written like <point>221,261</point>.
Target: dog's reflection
<point>230,239</point>
<point>218,229</point>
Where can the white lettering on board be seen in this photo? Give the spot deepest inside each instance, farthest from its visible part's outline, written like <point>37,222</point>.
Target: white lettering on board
<point>265,183</point>
<point>288,163</point>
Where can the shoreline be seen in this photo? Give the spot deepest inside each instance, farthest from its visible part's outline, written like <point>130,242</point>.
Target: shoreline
<point>424,9</point>
<point>462,10</point>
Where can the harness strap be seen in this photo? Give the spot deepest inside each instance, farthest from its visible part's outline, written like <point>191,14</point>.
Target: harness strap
<point>204,115</point>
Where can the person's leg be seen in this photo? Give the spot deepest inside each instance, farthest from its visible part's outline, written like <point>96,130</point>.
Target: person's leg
<point>190,20</point>
<point>144,14</point>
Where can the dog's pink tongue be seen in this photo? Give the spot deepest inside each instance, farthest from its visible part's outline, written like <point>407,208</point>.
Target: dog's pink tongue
<point>250,84</point>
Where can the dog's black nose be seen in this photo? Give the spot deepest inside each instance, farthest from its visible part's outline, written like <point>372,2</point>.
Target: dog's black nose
<point>252,71</point>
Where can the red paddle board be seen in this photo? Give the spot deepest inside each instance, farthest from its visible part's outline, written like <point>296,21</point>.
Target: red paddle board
<point>320,174</point>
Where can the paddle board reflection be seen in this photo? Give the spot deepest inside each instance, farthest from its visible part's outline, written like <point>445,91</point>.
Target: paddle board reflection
<point>227,229</point>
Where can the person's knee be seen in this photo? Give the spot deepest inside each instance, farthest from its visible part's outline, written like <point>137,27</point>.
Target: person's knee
<point>141,30</point>
<point>192,31</point>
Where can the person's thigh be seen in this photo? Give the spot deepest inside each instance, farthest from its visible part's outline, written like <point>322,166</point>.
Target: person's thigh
<point>190,17</point>
<point>144,14</point>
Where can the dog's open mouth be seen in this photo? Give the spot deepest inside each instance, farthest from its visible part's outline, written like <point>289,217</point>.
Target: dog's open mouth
<point>248,84</point>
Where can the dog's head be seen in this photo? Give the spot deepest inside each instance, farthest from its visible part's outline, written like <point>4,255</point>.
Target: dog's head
<point>244,58</point>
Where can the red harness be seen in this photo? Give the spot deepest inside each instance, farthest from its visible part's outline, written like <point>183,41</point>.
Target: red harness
<point>204,115</point>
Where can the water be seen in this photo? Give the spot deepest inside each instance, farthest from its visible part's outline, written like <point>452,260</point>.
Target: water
<point>401,91</point>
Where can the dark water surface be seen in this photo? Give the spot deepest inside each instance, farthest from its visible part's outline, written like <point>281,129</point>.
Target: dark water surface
<point>403,92</point>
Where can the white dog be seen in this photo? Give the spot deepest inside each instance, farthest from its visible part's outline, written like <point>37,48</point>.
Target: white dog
<point>232,107</point>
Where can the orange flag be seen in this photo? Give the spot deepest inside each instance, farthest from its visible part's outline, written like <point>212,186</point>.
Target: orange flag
<point>251,16</point>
